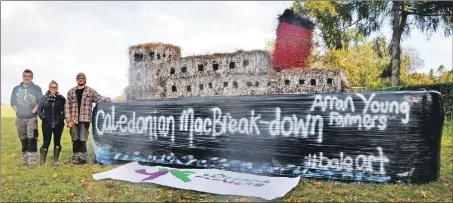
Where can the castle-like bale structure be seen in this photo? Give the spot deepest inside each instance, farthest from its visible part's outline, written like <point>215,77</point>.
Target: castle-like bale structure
<point>157,70</point>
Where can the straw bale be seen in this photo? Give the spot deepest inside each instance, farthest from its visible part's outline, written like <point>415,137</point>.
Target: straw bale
<point>148,47</point>
<point>308,81</point>
<point>230,85</point>
<point>242,62</point>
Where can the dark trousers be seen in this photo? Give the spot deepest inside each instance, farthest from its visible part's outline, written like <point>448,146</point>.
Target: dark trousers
<point>79,134</point>
<point>47,135</point>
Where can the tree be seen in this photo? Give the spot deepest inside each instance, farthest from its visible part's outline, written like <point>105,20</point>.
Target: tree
<point>343,21</point>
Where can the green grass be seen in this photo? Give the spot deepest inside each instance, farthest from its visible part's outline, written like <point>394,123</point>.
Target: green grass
<point>74,183</point>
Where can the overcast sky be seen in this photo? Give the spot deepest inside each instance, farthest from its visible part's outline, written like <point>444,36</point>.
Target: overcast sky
<point>59,39</point>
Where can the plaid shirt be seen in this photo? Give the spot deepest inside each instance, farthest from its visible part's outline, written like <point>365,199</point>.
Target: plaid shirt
<point>88,97</point>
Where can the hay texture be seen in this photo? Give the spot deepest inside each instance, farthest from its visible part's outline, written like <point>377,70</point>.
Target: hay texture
<point>244,62</point>
<point>294,41</point>
<point>229,85</point>
<point>306,81</point>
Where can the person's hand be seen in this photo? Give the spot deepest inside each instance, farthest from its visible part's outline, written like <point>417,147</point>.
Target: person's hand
<point>70,124</point>
<point>34,110</point>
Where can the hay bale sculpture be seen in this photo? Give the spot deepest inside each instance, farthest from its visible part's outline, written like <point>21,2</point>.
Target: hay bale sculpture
<point>287,135</point>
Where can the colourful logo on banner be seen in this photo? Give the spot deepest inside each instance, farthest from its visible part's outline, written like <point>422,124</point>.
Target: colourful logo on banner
<point>181,175</point>
<point>184,176</point>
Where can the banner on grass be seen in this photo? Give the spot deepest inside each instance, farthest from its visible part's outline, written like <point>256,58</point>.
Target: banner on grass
<point>204,180</point>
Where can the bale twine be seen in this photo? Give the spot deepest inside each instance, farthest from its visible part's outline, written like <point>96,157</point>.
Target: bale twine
<point>294,41</point>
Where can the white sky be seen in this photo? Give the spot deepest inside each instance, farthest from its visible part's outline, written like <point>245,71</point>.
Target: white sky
<point>59,39</point>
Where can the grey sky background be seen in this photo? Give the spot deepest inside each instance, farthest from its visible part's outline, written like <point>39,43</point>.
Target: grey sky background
<point>56,40</point>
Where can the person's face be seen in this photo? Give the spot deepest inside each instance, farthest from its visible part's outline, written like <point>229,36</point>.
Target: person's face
<point>53,88</point>
<point>27,77</point>
<point>81,80</point>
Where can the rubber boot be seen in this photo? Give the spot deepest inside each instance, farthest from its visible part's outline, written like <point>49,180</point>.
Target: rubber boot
<point>24,143</point>
<point>56,155</point>
<point>32,152</point>
<point>43,155</point>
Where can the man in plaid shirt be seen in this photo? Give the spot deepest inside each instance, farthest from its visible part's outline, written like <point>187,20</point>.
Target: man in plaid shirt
<point>78,110</point>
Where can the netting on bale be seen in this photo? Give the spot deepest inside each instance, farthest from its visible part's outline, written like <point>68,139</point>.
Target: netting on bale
<point>294,41</point>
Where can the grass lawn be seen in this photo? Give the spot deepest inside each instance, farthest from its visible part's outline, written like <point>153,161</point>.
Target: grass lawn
<point>74,183</point>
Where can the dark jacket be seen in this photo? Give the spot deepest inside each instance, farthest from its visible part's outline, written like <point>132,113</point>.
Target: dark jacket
<point>51,110</point>
<point>25,99</point>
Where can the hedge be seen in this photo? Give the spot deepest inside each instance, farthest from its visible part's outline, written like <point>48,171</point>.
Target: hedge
<point>446,89</point>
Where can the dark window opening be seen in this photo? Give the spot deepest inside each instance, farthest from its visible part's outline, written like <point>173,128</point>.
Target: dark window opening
<point>138,57</point>
<point>201,86</point>
<point>329,81</point>
<point>158,56</point>
<point>169,56</point>
<point>225,84</point>
<point>245,63</point>
<point>163,55</point>
<point>257,84</point>
<point>189,88</point>
<point>200,67</point>
<point>313,82</point>
<point>151,55</point>
<point>235,84</point>
<point>301,82</point>
<point>286,82</point>
<point>268,83</point>
<point>210,85</point>
<point>232,65</point>
<point>183,69</point>
<point>249,84</point>
<point>172,71</point>
<point>173,88</point>
<point>215,66</point>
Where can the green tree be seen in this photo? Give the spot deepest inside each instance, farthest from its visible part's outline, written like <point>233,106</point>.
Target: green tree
<point>342,22</point>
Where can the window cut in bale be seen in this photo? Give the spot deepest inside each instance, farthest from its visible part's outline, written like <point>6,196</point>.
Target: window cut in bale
<point>210,85</point>
<point>151,55</point>
<point>249,84</point>
<point>201,86</point>
<point>313,82</point>
<point>257,84</point>
<point>158,56</point>
<point>245,63</point>
<point>286,82</point>
<point>169,56</point>
<point>215,66</point>
<point>200,67</point>
<point>301,82</point>
<point>183,69</point>
<point>235,84</point>
<point>225,84</point>
<point>329,81</point>
<point>232,65</point>
<point>173,88</point>
<point>138,57</point>
<point>189,88</point>
<point>172,71</point>
<point>163,55</point>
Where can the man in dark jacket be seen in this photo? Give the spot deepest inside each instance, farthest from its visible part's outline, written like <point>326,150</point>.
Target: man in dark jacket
<point>24,100</point>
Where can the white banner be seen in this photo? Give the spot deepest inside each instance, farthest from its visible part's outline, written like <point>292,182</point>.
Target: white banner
<point>204,180</point>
